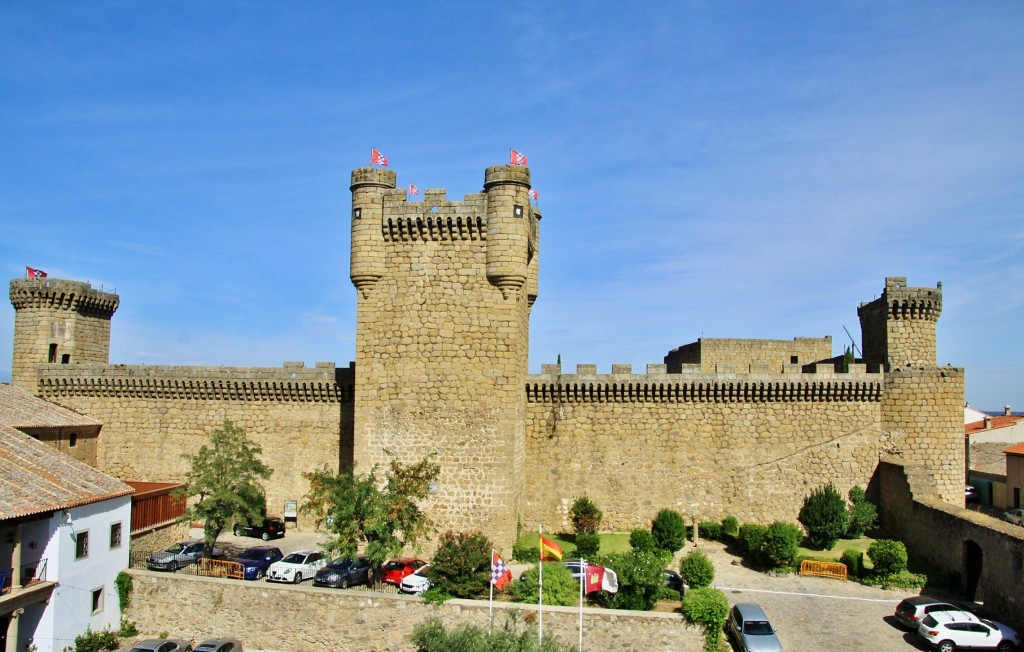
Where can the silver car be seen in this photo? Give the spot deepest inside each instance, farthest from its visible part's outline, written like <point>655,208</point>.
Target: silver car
<point>178,555</point>
<point>752,630</point>
<point>161,645</point>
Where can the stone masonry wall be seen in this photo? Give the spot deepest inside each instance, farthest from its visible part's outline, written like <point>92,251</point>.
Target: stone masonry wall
<point>707,446</point>
<point>721,355</point>
<point>152,415</point>
<point>300,618</point>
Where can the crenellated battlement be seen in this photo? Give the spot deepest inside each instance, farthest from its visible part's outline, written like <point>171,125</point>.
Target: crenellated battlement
<point>61,294</point>
<point>435,218</point>
<point>292,383</point>
<point>900,302</point>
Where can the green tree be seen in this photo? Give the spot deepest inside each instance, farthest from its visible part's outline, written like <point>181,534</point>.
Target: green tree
<point>863,514</point>
<point>696,569</point>
<point>824,517</point>
<point>669,530</point>
<point>361,511</point>
<point>585,516</point>
<point>225,478</point>
<point>461,566</point>
<point>560,588</point>
<point>641,574</point>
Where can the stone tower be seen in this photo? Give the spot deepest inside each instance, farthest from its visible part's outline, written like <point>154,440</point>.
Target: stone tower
<point>443,305</point>
<point>58,321</point>
<point>898,328</point>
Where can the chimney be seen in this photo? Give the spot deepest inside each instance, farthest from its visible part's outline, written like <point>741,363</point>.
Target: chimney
<point>1006,410</point>
<point>988,422</point>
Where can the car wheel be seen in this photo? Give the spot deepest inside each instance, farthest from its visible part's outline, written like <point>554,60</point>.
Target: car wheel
<point>344,583</point>
<point>1004,646</point>
<point>238,532</point>
<point>297,578</point>
<point>265,536</point>
<point>947,646</point>
<point>172,566</point>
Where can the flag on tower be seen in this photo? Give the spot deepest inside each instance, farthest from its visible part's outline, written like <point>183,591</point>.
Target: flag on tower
<point>413,189</point>
<point>377,158</point>
<point>501,575</point>
<point>549,550</point>
<point>516,158</point>
<point>534,195</point>
<point>34,273</point>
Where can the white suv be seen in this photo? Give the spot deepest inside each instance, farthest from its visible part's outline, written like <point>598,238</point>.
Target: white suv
<point>949,630</point>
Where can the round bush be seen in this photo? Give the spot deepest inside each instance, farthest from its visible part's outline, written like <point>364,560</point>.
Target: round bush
<point>710,530</point>
<point>669,530</point>
<point>642,540</point>
<point>588,545</point>
<point>560,588</point>
<point>888,557</point>
<point>780,543</point>
<point>696,569</point>
<point>730,526</point>
<point>641,578</point>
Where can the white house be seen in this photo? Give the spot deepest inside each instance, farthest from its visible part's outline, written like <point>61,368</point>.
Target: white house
<point>64,534</point>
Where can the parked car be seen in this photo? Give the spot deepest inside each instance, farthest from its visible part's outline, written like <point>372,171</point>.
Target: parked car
<point>256,561</point>
<point>219,645</point>
<point>267,529</point>
<point>398,569</point>
<point>1015,516</point>
<point>298,566</point>
<point>949,630</point>
<point>909,612</point>
<point>752,630</point>
<point>343,573</point>
<point>970,493</point>
<point>674,581</point>
<point>178,555</point>
<point>161,645</point>
<point>417,582</point>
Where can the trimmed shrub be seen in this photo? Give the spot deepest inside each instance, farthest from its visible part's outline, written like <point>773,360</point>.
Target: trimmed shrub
<point>696,569</point>
<point>461,566</point>
<point>863,515</point>
<point>824,517</point>
<point>669,530</point>
<point>888,557</point>
<point>780,543</point>
<point>560,588</point>
<point>902,580</point>
<point>641,578</point>
<point>752,537</point>
<point>854,562</point>
<point>642,540</point>
<point>588,545</point>
<point>710,530</point>
<point>707,608</point>
<point>730,526</point>
<point>585,516</point>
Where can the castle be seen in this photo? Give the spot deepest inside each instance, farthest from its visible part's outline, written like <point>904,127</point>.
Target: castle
<point>444,292</point>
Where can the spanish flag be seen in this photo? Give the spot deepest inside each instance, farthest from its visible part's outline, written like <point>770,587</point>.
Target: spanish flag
<point>549,550</point>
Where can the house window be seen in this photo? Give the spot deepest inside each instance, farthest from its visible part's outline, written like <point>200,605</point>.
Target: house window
<point>115,535</point>
<point>794,359</point>
<point>53,354</point>
<point>82,545</point>
<point>66,358</point>
<point>97,600</point>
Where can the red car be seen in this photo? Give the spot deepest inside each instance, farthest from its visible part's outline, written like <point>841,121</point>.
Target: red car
<point>397,569</point>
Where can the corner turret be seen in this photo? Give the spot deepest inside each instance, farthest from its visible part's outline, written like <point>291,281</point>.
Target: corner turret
<point>509,225</point>
<point>366,265</point>
<point>898,328</point>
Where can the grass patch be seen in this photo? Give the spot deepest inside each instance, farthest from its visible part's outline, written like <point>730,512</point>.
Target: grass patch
<point>834,553</point>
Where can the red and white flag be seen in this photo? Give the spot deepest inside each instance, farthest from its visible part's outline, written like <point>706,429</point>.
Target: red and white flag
<point>599,578</point>
<point>501,575</point>
<point>534,195</point>
<point>413,189</point>
<point>517,158</point>
<point>34,273</point>
<point>377,158</point>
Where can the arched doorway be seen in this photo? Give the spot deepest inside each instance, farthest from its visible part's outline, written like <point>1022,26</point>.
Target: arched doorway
<point>973,563</point>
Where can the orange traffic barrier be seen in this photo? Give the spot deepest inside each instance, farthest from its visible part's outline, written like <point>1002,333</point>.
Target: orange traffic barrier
<point>831,569</point>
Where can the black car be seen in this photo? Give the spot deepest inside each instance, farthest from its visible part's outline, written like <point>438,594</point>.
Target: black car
<point>270,528</point>
<point>674,581</point>
<point>256,561</point>
<point>343,573</point>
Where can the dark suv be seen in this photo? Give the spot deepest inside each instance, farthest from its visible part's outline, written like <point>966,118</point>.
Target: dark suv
<point>270,528</point>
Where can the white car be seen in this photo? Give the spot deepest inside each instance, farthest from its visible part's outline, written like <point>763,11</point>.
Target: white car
<point>1014,516</point>
<point>417,582</point>
<point>949,631</point>
<point>296,567</point>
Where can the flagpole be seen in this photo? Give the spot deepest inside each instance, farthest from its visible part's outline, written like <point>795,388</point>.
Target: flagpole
<point>583,580</point>
<point>490,610</point>
<point>540,583</point>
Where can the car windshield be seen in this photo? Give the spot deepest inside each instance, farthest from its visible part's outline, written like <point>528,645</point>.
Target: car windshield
<point>341,564</point>
<point>176,548</point>
<point>295,558</point>
<point>757,627</point>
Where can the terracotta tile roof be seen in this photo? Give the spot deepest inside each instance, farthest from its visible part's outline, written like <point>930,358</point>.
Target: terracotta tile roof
<point>995,422</point>
<point>1016,449</point>
<point>36,478</point>
<point>19,409</point>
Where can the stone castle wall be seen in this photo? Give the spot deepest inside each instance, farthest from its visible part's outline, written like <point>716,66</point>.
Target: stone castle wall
<point>752,445</point>
<point>152,415</point>
<point>726,355</point>
<point>332,619</point>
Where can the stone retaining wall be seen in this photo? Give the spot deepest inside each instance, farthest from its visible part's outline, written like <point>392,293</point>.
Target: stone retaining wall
<point>302,618</point>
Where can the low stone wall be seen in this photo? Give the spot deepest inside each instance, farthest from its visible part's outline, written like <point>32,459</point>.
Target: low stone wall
<point>301,618</point>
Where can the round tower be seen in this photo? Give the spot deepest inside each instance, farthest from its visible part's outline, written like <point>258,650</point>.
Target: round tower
<point>509,223</point>
<point>58,321</point>
<point>898,328</point>
<point>366,265</point>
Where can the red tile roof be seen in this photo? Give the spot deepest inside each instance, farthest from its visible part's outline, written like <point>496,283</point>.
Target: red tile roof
<point>1016,449</point>
<point>994,423</point>
<point>19,409</point>
<point>35,478</point>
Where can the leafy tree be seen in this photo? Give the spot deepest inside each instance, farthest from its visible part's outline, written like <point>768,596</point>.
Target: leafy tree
<point>888,556</point>
<point>641,540</point>
<point>640,575</point>
<point>669,530</point>
<point>824,517</point>
<point>585,516</point>
<point>226,478</point>
<point>560,587</point>
<point>462,564</point>
<point>358,511</point>
<point>709,609</point>
<point>863,514</point>
<point>780,543</point>
<point>696,569</point>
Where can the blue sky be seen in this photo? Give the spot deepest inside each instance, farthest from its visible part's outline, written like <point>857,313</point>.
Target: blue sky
<point>705,169</point>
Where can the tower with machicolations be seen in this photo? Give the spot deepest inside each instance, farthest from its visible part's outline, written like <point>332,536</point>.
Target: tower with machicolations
<point>442,334</point>
<point>58,321</point>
